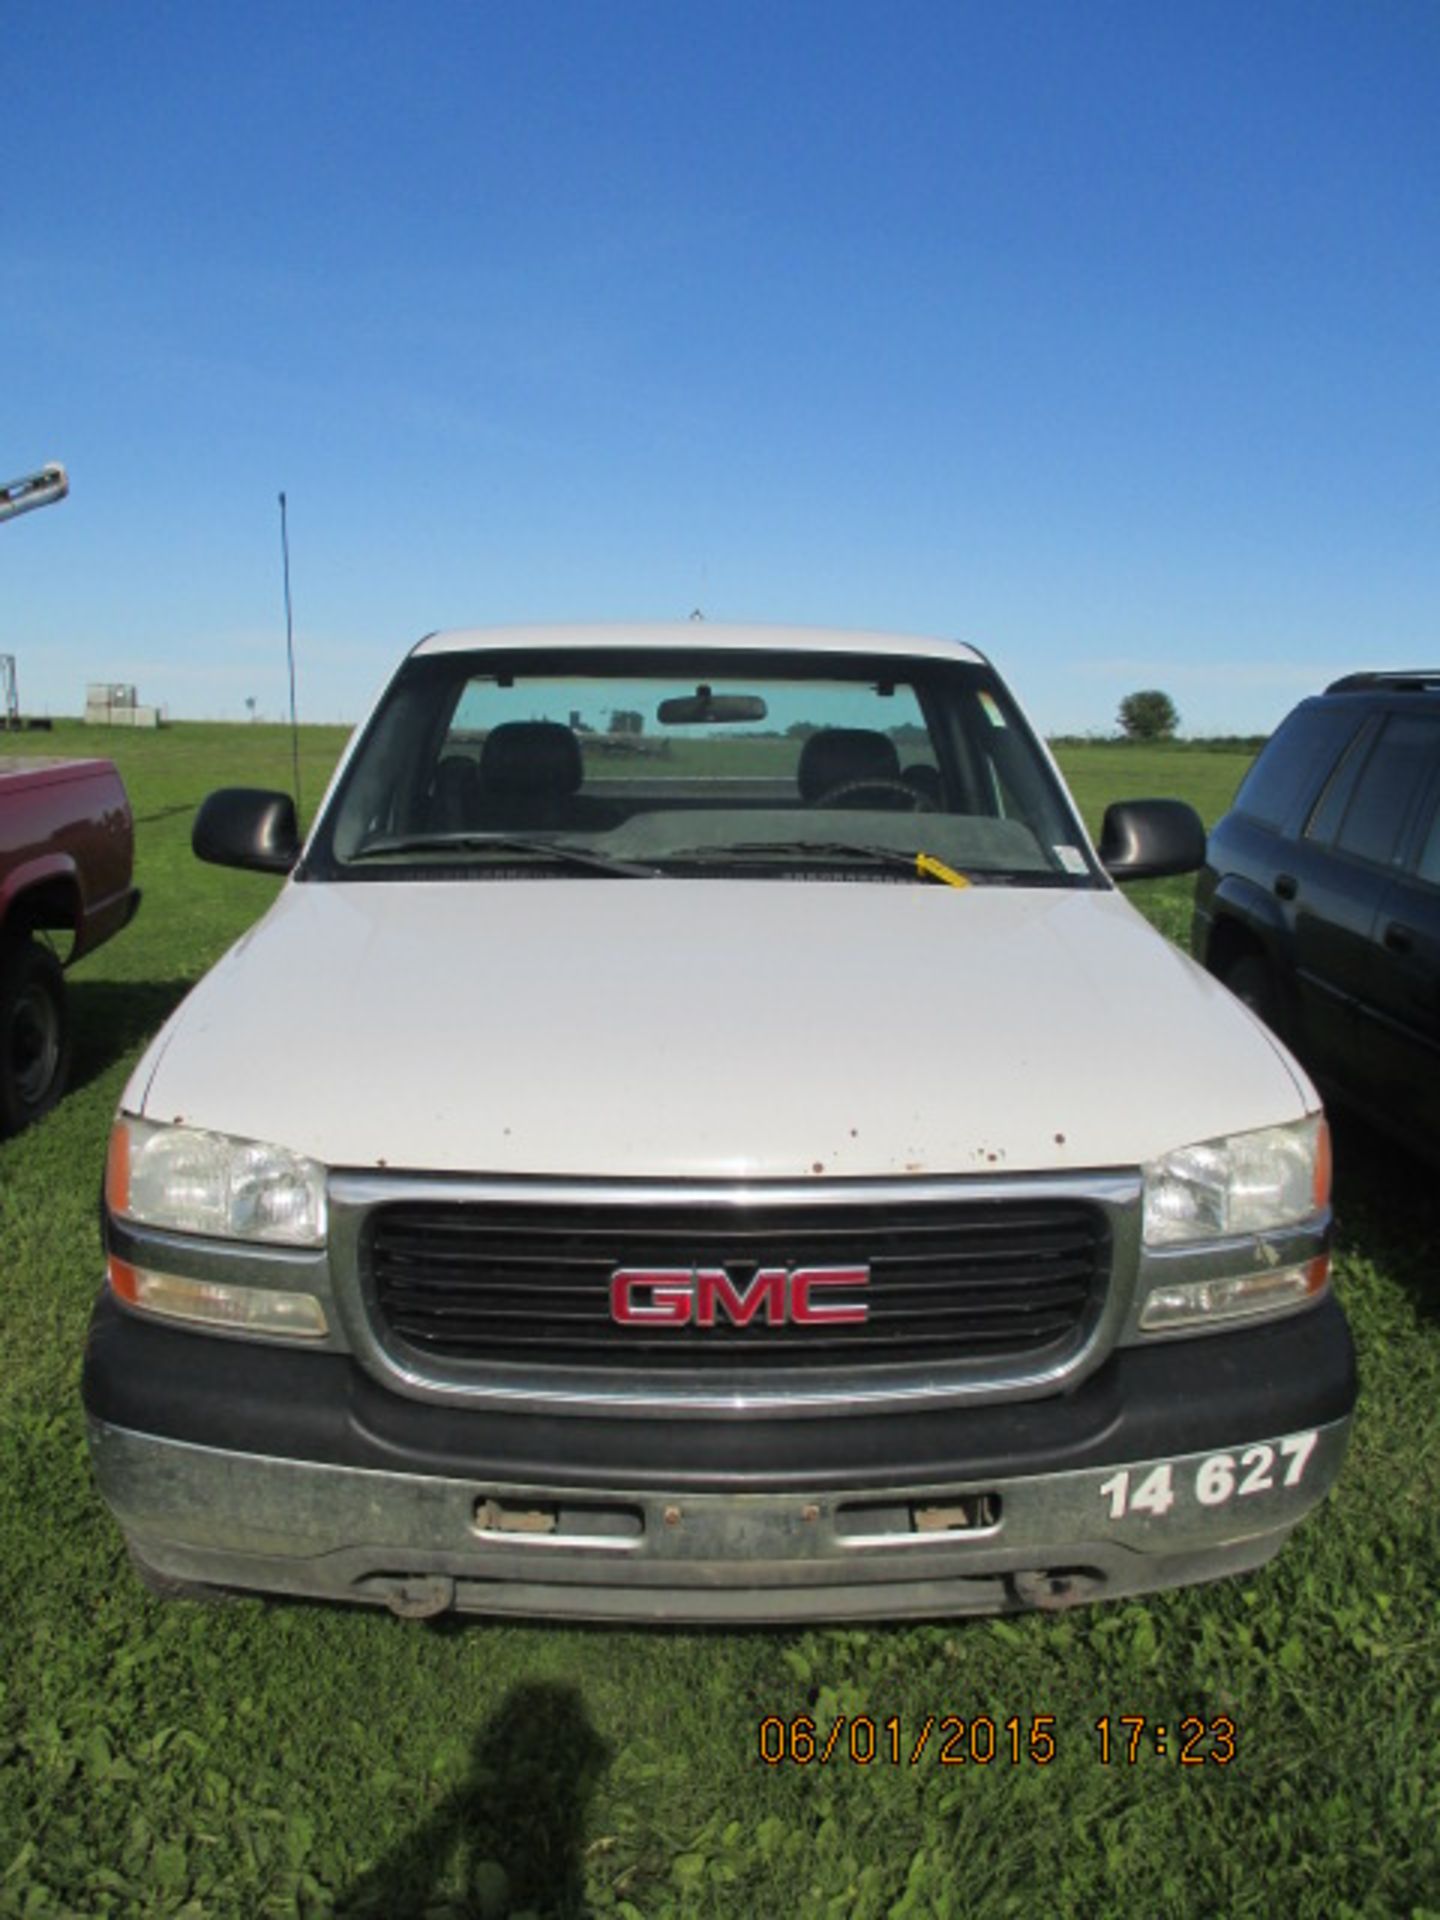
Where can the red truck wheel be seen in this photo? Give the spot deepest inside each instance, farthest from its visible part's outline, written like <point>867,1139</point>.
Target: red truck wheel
<point>34,1033</point>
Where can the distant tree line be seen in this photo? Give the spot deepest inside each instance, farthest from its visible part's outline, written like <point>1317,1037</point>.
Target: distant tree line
<point>1147,717</point>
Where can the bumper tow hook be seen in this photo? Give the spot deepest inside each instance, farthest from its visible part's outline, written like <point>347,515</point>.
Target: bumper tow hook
<point>1054,1592</point>
<point>421,1598</point>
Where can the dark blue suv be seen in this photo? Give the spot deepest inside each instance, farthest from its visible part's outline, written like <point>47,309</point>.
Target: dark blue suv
<point>1319,904</point>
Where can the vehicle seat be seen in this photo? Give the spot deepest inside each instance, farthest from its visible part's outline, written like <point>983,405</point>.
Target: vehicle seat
<point>838,755</point>
<point>530,774</point>
<point>454,801</point>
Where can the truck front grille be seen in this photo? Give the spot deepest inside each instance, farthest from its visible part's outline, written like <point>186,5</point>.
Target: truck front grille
<point>982,1281</point>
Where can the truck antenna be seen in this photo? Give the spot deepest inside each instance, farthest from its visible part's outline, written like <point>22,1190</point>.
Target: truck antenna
<point>290,649</point>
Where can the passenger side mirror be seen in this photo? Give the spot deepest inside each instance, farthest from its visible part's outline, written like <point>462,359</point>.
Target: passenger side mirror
<point>247,827</point>
<point>1149,839</point>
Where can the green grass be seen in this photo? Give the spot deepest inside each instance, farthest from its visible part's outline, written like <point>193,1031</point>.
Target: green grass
<point>282,1759</point>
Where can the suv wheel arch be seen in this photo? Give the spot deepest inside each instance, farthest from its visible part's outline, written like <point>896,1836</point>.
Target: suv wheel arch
<point>1247,972</point>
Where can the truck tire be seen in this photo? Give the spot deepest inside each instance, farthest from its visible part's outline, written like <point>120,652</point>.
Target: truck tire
<point>34,1033</point>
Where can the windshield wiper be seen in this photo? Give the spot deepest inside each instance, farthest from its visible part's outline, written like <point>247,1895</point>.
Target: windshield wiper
<point>920,866</point>
<point>556,850</point>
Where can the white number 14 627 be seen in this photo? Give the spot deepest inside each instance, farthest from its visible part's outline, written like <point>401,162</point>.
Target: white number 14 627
<point>1221,1477</point>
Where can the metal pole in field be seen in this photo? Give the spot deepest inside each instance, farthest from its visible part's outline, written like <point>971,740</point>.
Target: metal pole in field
<point>33,490</point>
<point>290,650</point>
<point>40,489</point>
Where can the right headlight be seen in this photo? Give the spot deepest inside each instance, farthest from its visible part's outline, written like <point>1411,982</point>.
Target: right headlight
<point>189,1180</point>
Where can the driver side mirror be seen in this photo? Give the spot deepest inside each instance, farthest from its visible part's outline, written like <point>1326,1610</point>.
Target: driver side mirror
<point>247,827</point>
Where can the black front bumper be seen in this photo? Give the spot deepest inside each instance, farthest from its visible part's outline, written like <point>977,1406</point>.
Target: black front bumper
<point>252,1466</point>
<point>1176,1397</point>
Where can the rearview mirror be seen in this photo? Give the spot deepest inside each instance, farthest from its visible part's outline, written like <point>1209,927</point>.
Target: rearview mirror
<point>1148,839</point>
<point>247,827</point>
<point>703,708</point>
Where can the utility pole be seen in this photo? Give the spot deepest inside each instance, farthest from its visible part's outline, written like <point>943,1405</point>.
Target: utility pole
<point>39,489</point>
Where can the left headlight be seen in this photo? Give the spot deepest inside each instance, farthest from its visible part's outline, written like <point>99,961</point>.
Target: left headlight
<point>1241,1183</point>
<point>192,1181</point>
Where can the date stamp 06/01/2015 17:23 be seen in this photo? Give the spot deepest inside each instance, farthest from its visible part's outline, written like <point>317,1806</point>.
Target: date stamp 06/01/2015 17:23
<point>952,1741</point>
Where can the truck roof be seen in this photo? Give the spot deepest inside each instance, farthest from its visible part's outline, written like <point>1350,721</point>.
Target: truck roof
<point>665,634</point>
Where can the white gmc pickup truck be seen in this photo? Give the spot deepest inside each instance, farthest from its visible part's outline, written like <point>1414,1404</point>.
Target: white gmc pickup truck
<point>699,1136</point>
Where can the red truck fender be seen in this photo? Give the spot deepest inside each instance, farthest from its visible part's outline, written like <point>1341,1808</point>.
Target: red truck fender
<point>54,873</point>
<point>66,864</point>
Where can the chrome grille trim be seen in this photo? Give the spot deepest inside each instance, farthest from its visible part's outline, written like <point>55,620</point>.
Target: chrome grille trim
<point>474,1282</point>
<point>816,1390</point>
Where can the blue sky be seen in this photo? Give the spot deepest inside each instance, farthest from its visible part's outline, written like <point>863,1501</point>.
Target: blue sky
<point>1105,336</point>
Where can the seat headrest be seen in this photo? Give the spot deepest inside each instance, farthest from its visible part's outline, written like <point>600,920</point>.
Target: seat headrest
<point>531,756</point>
<point>837,755</point>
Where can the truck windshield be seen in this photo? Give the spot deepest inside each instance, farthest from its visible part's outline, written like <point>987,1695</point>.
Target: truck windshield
<point>644,764</point>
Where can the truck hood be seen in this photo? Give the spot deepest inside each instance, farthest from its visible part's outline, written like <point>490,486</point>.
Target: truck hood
<point>709,1028</point>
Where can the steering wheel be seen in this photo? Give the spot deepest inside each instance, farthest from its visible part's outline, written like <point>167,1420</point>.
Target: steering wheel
<point>876,783</point>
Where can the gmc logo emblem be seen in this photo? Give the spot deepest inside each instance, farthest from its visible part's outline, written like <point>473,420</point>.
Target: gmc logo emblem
<point>704,1296</point>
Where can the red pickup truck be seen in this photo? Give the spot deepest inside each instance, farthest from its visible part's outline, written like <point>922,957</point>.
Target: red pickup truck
<point>67,844</point>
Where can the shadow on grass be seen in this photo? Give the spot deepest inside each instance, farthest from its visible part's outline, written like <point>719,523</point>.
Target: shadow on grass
<point>1387,1207</point>
<point>510,1837</point>
<point>111,1017</point>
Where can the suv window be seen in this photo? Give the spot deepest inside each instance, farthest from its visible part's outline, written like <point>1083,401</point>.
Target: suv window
<point>1335,794</point>
<point>1294,761</point>
<point>1428,865</point>
<point>1398,762</point>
